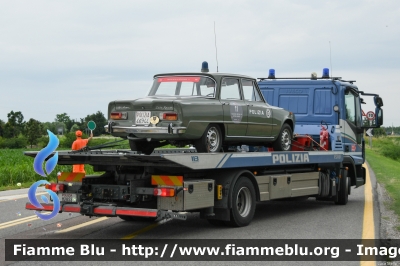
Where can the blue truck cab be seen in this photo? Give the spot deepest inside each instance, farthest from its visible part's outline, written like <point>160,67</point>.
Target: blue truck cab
<point>327,103</point>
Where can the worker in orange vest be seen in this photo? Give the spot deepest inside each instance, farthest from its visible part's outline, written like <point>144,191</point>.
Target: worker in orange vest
<point>78,144</point>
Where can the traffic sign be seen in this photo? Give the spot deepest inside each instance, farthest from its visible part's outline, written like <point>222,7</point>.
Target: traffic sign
<point>370,115</point>
<point>363,114</point>
<point>369,132</point>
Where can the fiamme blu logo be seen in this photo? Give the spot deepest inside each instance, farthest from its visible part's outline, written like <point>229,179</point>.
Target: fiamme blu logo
<point>49,167</point>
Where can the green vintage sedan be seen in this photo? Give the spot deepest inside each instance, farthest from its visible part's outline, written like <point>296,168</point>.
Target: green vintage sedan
<point>211,111</point>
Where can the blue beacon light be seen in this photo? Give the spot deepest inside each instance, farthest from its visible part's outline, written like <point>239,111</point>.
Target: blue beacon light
<point>271,74</point>
<point>204,67</point>
<point>325,73</point>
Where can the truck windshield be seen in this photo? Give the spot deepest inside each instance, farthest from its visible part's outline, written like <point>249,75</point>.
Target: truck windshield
<point>183,86</point>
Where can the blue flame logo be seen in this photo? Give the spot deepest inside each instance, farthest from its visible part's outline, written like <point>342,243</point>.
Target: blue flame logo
<point>35,202</point>
<point>44,153</point>
<point>50,165</point>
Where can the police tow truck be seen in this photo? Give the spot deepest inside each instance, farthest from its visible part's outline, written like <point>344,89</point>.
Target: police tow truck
<point>325,161</point>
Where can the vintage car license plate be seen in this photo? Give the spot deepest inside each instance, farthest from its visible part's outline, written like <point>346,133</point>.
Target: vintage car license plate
<point>67,197</point>
<point>142,118</point>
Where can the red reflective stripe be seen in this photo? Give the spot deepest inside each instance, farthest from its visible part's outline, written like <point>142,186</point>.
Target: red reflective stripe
<point>46,207</point>
<point>98,210</point>
<point>136,213</point>
<point>71,208</point>
<point>179,79</point>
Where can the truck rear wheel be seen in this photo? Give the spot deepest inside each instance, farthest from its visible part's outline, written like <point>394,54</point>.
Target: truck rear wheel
<point>243,202</point>
<point>343,193</point>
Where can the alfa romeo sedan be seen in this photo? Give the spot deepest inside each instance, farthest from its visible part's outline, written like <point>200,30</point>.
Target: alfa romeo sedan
<point>211,111</point>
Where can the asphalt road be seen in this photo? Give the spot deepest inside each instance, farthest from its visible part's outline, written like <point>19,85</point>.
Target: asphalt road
<point>307,219</point>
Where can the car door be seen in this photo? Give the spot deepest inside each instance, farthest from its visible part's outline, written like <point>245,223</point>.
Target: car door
<point>235,109</point>
<point>259,121</point>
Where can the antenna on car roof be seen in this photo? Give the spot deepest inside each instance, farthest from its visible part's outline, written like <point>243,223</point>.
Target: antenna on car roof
<point>216,51</point>
<point>330,57</point>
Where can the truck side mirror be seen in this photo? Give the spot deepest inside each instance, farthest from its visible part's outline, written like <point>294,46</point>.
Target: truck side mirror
<point>378,117</point>
<point>378,101</point>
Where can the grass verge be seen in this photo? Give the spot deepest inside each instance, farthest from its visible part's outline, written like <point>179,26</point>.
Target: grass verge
<point>387,172</point>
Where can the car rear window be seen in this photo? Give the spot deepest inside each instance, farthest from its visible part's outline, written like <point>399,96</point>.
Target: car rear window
<point>183,86</point>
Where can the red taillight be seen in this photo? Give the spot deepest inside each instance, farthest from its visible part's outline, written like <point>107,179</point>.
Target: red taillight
<point>118,115</point>
<point>55,187</point>
<point>170,116</point>
<point>164,192</point>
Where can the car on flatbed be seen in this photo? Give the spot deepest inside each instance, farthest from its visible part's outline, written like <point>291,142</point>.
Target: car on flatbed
<point>211,111</point>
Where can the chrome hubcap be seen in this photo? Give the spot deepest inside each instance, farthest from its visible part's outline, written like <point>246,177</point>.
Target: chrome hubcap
<point>243,201</point>
<point>286,140</point>
<point>213,139</point>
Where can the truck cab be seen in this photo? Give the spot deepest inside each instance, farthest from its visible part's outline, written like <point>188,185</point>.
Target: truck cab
<point>327,106</point>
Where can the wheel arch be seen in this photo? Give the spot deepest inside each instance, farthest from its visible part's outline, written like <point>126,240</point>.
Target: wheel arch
<point>290,123</point>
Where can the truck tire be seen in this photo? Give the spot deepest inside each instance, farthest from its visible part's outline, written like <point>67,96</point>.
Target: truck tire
<point>284,140</point>
<point>211,141</point>
<point>243,202</point>
<point>343,193</point>
<point>142,146</point>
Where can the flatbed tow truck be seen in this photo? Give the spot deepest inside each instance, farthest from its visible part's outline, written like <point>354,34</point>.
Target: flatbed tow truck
<point>224,187</point>
<point>171,183</point>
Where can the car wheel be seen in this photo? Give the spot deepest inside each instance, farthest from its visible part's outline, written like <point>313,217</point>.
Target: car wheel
<point>211,141</point>
<point>284,140</point>
<point>142,146</point>
<point>243,202</point>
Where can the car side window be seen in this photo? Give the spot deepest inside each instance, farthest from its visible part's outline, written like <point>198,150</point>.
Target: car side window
<point>230,89</point>
<point>250,91</point>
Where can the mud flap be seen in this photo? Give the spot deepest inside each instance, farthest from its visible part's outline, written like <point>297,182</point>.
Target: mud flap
<point>360,181</point>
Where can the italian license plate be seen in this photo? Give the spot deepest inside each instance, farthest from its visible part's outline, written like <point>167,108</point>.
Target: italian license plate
<point>67,197</point>
<point>142,118</point>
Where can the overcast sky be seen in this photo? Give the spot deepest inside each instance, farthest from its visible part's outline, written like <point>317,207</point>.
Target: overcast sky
<point>75,57</point>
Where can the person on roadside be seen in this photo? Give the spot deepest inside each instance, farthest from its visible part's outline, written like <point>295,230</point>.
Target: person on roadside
<point>78,144</point>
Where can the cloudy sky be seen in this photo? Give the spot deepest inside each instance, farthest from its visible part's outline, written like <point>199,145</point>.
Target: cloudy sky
<point>76,56</point>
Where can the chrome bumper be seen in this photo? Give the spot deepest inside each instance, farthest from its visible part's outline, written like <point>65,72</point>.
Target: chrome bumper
<point>145,130</point>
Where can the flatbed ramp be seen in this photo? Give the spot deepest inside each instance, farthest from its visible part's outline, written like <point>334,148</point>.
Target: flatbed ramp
<point>197,161</point>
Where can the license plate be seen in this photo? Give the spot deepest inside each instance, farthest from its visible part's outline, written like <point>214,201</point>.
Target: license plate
<point>142,118</point>
<point>67,197</point>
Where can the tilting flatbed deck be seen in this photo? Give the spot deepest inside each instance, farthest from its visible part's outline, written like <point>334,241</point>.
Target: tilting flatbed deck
<point>197,161</point>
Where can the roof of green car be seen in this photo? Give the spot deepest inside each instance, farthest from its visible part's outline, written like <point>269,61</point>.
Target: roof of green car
<point>215,75</point>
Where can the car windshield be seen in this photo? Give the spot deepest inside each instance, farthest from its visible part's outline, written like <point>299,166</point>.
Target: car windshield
<point>183,86</point>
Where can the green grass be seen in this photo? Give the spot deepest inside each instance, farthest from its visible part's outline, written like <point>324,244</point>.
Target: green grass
<point>16,168</point>
<point>385,163</point>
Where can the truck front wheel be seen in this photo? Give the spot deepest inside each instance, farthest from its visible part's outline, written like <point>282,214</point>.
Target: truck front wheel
<point>243,202</point>
<point>343,193</point>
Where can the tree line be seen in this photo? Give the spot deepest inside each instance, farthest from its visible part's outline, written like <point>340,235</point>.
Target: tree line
<point>18,133</point>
